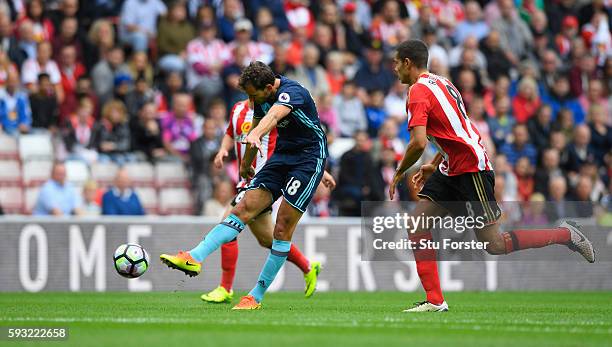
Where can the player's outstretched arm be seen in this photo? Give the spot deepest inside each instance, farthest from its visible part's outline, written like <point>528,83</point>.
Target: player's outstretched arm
<point>267,123</point>
<point>416,147</point>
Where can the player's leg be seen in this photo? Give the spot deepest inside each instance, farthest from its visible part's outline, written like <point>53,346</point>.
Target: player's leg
<point>251,205</point>
<point>427,267</point>
<point>262,228</point>
<point>301,180</point>
<point>568,233</point>
<point>229,258</point>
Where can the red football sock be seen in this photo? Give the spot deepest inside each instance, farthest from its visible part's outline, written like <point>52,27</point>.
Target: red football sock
<point>295,256</point>
<point>427,268</point>
<point>229,258</point>
<point>522,239</point>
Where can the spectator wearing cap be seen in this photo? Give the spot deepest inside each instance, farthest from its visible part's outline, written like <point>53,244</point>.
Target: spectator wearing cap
<point>310,74</point>
<point>515,37</point>
<point>353,31</point>
<point>111,135</point>
<point>373,74</point>
<point>206,58</point>
<point>15,113</point>
<point>563,40</point>
<point>243,32</point>
<point>520,146</point>
<point>122,86</point>
<point>104,72</point>
<point>138,22</point>
<point>174,33</point>
<point>58,197</point>
<point>120,199</point>
<point>473,25</point>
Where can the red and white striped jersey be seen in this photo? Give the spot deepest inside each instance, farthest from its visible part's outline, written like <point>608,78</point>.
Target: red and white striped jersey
<point>434,102</point>
<point>238,128</point>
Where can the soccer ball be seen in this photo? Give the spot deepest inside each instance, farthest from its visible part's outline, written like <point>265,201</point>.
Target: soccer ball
<point>131,260</point>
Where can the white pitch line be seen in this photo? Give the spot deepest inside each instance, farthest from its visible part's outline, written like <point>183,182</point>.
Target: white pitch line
<point>447,324</point>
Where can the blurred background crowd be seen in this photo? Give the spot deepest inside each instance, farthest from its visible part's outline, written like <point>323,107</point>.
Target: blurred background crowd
<point>144,88</point>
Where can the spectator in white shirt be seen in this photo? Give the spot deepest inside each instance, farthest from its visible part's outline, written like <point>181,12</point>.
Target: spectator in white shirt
<point>206,58</point>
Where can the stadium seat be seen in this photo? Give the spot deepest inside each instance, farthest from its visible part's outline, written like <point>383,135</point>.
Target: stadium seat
<point>11,200</point>
<point>148,199</point>
<point>8,147</point>
<point>171,175</point>
<point>175,201</point>
<point>31,195</point>
<point>36,172</point>
<point>141,174</point>
<point>77,172</point>
<point>341,146</point>
<point>35,146</point>
<point>10,173</point>
<point>104,173</point>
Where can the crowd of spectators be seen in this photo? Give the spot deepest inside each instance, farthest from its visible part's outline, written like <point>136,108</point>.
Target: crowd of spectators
<point>153,80</point>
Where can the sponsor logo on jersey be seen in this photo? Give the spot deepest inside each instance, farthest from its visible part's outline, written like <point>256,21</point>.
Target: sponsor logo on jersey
<point>246,127</point>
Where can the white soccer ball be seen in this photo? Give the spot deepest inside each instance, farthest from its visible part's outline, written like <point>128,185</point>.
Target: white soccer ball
<point>131,260</point>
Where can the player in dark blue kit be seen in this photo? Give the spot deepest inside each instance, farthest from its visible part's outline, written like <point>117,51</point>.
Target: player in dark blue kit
<point>294,171</point>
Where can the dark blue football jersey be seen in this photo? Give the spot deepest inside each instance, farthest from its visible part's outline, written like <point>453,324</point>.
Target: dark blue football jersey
<point>300,131</point>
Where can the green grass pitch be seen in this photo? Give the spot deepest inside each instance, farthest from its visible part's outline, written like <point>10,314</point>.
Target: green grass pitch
<point>328,319</point>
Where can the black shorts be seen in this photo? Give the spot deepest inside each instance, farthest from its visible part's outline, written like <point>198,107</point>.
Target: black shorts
<point>469,194</point>
<point>240,195</point>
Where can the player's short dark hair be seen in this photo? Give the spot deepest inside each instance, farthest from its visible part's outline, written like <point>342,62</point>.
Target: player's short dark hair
<point>257,74</point>
<point>415,50</point>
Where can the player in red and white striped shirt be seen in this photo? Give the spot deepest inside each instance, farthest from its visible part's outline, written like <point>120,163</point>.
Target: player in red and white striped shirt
<point>262,226</point>
<point>460,179</point>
